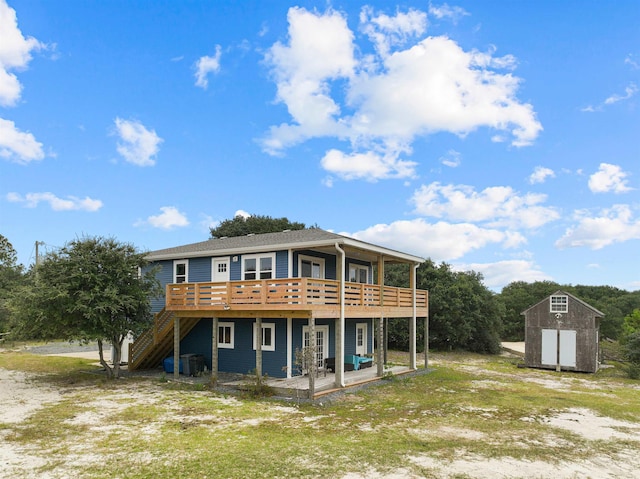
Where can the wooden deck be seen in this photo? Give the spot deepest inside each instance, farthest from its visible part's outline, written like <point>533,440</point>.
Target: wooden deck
<point>305,297</point>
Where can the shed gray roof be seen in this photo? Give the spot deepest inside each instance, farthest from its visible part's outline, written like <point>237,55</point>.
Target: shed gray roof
<point>560,292</point>
<point>294,239</point>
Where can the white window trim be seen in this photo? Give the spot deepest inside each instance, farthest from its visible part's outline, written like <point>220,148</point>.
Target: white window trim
<point>176,262</point>
<point>230,325</point>
<point>272,327</point>
<point>554,307</point>
<point>257,258</point>
<point>313,259</point>
<point>359,267</point>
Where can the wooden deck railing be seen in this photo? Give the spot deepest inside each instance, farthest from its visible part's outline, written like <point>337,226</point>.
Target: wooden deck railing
<point>288,292</point>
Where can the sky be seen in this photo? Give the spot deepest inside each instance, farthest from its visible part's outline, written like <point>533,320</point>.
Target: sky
<point>496,136</point>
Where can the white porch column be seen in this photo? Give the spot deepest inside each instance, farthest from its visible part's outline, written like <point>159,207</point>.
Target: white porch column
<point>176,347</point>
<point>412,325</point>
<point>340,322</point>
<point>214,350</point>
<point>289,347</point>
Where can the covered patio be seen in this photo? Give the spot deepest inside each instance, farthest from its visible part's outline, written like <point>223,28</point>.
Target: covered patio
<point>298,386</point>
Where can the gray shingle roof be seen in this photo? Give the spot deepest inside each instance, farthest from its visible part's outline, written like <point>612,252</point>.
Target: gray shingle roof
<point>312,237</point>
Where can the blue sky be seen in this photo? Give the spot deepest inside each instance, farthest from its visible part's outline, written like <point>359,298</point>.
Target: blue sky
<point>496,136</point>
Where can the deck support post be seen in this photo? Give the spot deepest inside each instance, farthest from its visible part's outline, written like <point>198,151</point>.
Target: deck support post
<point>381,347</point>
<point>214,350</point>
<point>426,342</point>
<point>259,349</point>
<point>176,347</point>
<point>312,368</point>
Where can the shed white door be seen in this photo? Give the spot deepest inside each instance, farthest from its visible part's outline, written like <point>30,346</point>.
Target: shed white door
<point>549,347</point>
<point>568,348</point>
<point>563,350</point>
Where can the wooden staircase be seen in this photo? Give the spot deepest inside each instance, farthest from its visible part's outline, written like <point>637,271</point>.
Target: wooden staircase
<point>156,343</point>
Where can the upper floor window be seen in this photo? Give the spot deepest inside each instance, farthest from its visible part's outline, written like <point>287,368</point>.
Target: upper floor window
<point>259,266</point>
<point>310,267</point>
<point>180,271</point>
<point>559,304</point>
<point>358,274</point>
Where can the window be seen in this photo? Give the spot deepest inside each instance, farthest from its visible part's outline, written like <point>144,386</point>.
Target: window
<point>259,267</point>
<point>226,335</point>
<point>559,304</point>
<point>180,271</point>
<point>358,274</point>
<point>310,267</point>
<point>268,336</point>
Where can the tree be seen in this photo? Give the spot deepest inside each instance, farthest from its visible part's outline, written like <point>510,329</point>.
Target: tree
<point>10,278</point>
<point>463,313</point>
<point>92,289</point>
<point>241,226</point>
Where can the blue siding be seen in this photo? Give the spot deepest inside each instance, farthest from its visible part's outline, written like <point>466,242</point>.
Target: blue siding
<point>199,270</point>
<point>241,359</point>
<point>235,268</point>
<point>282,264</point>
<point>164,275</point>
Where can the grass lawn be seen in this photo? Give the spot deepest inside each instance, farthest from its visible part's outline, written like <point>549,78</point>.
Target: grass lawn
<point>470,413</point>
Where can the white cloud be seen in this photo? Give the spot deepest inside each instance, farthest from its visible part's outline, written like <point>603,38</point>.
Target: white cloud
<point>540,175</point>
<point>385,31</point>
<point>629,60</point>
<point>170,218</point>
<point>612,225</point>
<point>445,11</point>
<point>242,213</point>
<point>206,65</point>
<point>15,54</point>
<point>433,240</point>
<point>499,274</point>
<point>629,92</point>
<point>495,206</point>
<point>609,178</point>
<point>383,101</point>
<point>369,166</point>
<point>18,146</point>
<point>70,203</point>
<point>452,160</point>
<point>137,145</point>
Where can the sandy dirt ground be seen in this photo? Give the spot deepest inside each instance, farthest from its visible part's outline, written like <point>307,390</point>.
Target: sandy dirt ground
<point>21,395</point>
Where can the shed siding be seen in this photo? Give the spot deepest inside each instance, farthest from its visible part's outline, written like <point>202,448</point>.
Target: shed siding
<point>579,320</point>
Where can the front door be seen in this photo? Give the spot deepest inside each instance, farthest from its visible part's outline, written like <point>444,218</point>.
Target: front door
<point>322,343</point>
<point>220,271</point>
<point>361,339</point>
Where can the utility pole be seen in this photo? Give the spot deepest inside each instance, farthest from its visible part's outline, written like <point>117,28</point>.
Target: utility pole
<point>38,243</point>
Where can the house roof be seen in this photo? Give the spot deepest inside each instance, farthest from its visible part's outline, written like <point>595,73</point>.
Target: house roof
<point>560,292</point>
<point>312,238</point>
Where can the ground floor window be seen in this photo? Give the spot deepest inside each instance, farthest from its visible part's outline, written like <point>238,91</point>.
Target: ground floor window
<point>226,335</point>
<point>268,336</point>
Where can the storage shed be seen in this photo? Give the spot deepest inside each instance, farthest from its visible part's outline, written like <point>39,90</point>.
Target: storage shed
<point>562,333</point>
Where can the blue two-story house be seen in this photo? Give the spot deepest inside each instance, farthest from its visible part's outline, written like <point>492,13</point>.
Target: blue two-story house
<point>254,302</point>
